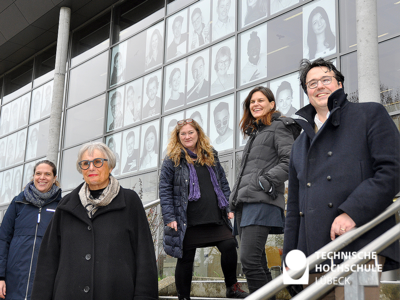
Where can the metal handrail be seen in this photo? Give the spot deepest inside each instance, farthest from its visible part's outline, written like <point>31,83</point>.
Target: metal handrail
<point>151,204</point>
<point>276,285</point>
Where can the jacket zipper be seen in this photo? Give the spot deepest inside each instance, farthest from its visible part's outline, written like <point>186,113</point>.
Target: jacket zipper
<point>33,252</point>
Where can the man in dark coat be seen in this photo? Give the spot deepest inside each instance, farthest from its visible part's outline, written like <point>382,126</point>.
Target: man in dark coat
<point>344,168</point>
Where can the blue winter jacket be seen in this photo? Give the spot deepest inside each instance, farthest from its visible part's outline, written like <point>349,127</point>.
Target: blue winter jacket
<point>174,189</point>
<point>21,234</point>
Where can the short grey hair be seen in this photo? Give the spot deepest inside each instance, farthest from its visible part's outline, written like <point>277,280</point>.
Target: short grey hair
<point>90,147</point>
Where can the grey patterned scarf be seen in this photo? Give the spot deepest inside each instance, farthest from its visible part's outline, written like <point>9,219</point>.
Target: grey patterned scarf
<point>92,205</point>
<point>39,199</point>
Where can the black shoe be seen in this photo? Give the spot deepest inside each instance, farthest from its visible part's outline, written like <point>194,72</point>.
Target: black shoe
<point>183,298</point>
<point>235,291</point>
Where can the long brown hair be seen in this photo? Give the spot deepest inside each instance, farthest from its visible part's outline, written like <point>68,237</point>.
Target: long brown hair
<point>247,118</point>
<point>205,154</point>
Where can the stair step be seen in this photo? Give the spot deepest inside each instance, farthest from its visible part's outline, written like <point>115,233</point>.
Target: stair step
<point>192,298</point>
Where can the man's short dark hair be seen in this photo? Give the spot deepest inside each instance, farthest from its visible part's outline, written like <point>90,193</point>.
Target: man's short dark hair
<point>196,60</point>
<point>306,66</point>
<point>131,134</point>
<point>155,79</point>
<point>177,19</point>
<point>284,86</point>
<point>220,107</point>
<point>196,11</point>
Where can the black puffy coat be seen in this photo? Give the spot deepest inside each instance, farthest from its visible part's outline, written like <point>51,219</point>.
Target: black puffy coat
<point>174,187</point>
<point>265,157</point>
<point>110,256</point>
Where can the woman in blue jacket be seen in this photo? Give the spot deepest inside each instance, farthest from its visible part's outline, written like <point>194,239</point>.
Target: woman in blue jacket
<point>194,195</point>
<point>22,229</point>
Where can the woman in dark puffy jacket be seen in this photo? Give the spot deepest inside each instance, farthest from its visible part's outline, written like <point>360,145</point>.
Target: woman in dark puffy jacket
<point>257,197</point>
<point>194,193</point>
<point>23,228</point>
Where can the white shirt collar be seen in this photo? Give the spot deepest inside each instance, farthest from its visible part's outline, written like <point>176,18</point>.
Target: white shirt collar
<point>318,122</point>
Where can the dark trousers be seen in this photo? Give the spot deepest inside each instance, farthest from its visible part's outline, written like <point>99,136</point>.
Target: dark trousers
<point>184,266</point>
<point>252,254</point>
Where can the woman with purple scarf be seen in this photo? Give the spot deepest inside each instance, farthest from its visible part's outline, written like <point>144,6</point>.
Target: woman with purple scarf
<point>194,195</point>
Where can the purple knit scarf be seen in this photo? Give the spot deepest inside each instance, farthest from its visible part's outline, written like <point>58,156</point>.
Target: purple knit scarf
<point>194,188</point>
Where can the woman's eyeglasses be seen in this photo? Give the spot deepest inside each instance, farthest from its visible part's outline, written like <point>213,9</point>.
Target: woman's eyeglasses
<point>183,122</point>
<point>97,162</point>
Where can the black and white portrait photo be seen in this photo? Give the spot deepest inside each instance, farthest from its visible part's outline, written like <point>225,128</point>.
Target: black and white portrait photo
<point>46,99</point>
<point>14,114</point>
<point>319,39</point>
<point>223,18</point>
<point>28,172</point>
<point>5,119</point>
<point>11,149</point>
<point>174,87</point>
<point>177,34</point>
<point>1,183</point>
<point>20,147</point>
<point>149,145</point>
<point>118,64</point>
<point>198,84</point>
<point>253,10</point>
<point>3,145</point>
<point>17,179</point>
<point>169,124</point>
<point>130,150</point>
<point>287,94</point>
<point>32,144</point>
<point>6,187</point>
<point>199,24</point>
<point>253,60</point>
<point>154,46</point>
<point>114,143</point>
<point>279,5</point>
<point>133,101</point>
<point>24,110</point>
<point>115,117</point>
<point>223,66</point>
<point>240,139</point>
<point>221,133</point>
<point>152,98</point>
<point>200,115</point>
<point>36,104</point>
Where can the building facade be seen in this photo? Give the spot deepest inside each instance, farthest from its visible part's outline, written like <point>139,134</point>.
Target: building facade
<point>136,69</point>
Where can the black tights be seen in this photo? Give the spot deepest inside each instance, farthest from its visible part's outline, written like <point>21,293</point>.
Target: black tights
<point>184,266</point>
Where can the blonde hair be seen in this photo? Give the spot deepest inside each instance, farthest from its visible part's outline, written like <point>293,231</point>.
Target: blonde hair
<point>205,152</point>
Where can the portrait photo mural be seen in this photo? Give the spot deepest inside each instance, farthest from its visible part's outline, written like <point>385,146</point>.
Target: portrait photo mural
<point>149,145</point>
<point>16,182</point>
<point>6,187</point>
<point>130,150</point>
<point>253,54</point>
<point>199,24</point>
<point>221,124</point>
<point>154,46</point>
<point>169,124</point>
<point>36,104</point>
<point>24,110</point>
<point>28,172</point>
<point>14,114</point>
<point>5,119</point>
<point>46,99</point>
<point>223,66</point>
<point>252,11</point>
<point>118,64</point>
<point>198,84</point>
<point>279,5</point>
<point>177,34</point>
<point>10,152</point>
<point>37,140</point>
<point>152,95</point>
<point>174,85</point>
<point>3,147</point>
<point>287,94</point>
<point>20,146</point>
<point>114,143</point>
<point>224,12</point>
<point>115,115</point>
<point>319,26</point>
<point>200,115</point>
<point>133,101</point>
<point>1,184</point>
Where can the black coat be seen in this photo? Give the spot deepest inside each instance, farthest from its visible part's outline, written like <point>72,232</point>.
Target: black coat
<point>351,165</point>
<point>265,158</point>
<point>174,186</point>
<point>110,256</point>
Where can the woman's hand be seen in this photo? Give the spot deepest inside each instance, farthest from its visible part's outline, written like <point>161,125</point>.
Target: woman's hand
<point>173,225</point>
<point>230,215</point>
<point>2,289</point>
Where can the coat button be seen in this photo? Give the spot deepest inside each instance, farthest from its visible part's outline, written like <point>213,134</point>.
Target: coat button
<point>86,289</point>
<point>88,256</point>
<point>330,153</point>
<point>309,184</point>
<point>330,205</point>
<point>329,178</point>
<point>89,228</point>
<point>301,214</point>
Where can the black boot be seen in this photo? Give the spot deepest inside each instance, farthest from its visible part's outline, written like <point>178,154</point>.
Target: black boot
<point>235,291</point>
<point>183,298</point>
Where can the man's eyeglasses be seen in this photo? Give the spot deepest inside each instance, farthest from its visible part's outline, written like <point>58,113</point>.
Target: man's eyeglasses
<point>97,162</point>
<point>312,84</point>
<point>183,122</point>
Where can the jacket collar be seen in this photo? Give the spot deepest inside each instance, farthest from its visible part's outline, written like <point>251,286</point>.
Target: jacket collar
<point>259,125</point>
<point>72,203</point>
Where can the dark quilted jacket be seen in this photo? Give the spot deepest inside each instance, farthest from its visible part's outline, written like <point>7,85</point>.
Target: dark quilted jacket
<point>174,200</point>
